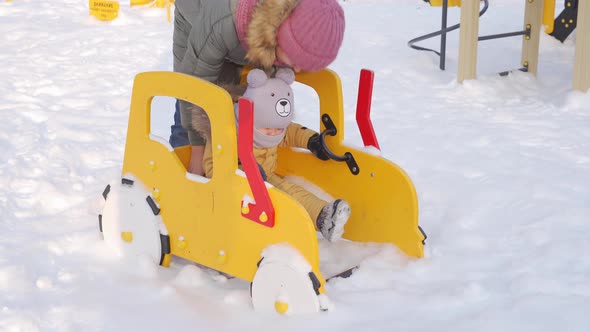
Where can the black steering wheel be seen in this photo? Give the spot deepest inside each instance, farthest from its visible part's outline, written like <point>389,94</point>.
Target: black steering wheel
<point>347,157</point>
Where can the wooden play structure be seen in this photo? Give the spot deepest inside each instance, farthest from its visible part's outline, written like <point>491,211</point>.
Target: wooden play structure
<point>538,13</point>
<point>565,23</point>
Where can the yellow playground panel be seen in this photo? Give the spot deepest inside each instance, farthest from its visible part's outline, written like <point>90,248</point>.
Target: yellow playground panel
<point>548,15</point>
<point>451,3</point>
<point>234,221</point>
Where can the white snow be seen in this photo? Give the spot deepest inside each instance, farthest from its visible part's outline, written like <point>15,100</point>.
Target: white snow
<point>286,254</point>
<point>501,166</point>
<point>247,200</point>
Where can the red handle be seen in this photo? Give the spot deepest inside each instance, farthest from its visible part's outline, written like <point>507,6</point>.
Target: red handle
<point>363,108</point>
<point>261,210</point>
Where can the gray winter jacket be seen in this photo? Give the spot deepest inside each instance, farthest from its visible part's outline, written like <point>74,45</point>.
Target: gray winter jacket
<point>205,37</point>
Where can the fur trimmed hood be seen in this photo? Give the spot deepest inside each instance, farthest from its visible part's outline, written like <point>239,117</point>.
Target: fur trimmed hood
<point>261,34</point>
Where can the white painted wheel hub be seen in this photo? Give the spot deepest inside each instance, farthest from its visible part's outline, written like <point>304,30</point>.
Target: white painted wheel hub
<point>129,224</point>
<point>280,287</point>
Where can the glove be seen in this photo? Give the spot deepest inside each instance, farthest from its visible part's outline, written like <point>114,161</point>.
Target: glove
<point>316,148</point>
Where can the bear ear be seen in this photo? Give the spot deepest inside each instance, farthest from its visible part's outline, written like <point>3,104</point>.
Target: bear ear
<point>256,78</point>
<point>286,74</point>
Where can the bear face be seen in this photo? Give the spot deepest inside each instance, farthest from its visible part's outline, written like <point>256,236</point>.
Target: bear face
<point>273,103</point>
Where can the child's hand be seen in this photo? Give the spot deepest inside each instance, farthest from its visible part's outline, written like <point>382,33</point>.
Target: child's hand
<point>316,148</point>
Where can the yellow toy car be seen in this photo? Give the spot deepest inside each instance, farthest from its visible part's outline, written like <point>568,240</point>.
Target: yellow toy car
<point>235,222</point>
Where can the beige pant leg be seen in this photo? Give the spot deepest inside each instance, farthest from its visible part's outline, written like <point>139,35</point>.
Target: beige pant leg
<point>310,202</point>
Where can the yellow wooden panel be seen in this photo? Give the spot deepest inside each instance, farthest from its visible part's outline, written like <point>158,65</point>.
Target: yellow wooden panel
<point>383,200</point>
<point>451,3</point>
<point>204,219</point>
<point>549,15</point>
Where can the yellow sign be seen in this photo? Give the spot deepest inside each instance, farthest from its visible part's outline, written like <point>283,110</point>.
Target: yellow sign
<point>104,10</point>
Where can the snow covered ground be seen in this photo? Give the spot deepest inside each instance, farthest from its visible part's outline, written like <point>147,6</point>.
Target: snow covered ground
<point>501,166</point>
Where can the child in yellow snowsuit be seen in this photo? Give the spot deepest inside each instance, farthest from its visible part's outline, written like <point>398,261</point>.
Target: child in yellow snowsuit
<point>273,128</point>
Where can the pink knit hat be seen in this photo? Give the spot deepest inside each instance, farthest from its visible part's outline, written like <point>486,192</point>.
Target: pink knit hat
<point>311,36</point>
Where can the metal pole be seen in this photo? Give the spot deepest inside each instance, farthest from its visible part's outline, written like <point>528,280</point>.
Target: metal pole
<point>443,36</point>
<point>503,35</point>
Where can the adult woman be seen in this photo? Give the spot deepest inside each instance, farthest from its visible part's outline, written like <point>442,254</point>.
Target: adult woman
<point>213,39</point>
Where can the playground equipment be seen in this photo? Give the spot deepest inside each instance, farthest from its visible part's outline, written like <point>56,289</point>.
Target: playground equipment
<point>233,221</point>
<point>108,10</point>
<point>537,13</point>
<point>565,23</point>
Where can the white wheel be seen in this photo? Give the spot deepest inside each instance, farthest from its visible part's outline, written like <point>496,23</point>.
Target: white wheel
<point>130,220</point>
<point>284,288</point>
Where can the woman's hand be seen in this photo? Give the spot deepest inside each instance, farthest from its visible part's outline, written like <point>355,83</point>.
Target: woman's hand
<point>195,165</point>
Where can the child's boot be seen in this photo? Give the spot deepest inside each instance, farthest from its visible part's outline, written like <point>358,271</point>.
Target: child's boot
<point>332,219</point>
